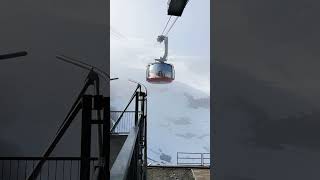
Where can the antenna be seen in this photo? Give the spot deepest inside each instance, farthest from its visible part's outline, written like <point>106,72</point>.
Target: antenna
<point>64,58</point>
<point>138,84</point>
<point>86,66</point>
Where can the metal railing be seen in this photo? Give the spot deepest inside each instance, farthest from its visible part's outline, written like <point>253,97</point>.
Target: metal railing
<point>131,162</point>
<point>193,159</point>
<point>55,168</point>
<point>126,123</point>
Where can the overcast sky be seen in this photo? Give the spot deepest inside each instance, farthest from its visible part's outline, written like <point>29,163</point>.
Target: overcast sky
<point>140,22</point>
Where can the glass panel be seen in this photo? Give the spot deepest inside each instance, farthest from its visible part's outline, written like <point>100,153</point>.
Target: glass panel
<point>161,69</point>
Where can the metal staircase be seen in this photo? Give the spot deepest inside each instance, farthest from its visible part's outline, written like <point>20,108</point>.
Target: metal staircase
<point>123,148</point>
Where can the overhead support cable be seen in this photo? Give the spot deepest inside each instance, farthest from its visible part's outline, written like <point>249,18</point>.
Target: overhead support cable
<point>171,26</point>
<point>166,25</point>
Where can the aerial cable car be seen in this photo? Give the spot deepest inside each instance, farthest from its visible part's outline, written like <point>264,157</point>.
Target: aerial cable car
<point>160,72</point>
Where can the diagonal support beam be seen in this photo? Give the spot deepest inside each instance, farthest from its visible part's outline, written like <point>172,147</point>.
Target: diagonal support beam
<point>36,171</point>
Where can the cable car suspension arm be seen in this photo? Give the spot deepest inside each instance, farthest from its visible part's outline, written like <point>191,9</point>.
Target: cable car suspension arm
<point>160,39</point>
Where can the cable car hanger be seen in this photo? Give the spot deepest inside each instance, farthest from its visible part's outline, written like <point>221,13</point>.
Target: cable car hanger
<point>160,39</point>
<point>160,72</point>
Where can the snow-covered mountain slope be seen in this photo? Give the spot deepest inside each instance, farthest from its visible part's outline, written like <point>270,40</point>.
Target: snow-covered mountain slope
<point>178,116</point>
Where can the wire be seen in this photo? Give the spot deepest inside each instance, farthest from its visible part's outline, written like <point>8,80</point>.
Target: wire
<point>117,33</point>
<point>171,26</point>
<point>166,25</point>
<point>91,66</point>
<point>172,23</point>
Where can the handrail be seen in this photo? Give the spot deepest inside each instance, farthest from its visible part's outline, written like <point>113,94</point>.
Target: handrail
<point>121,165</point>
<point>40,158</point>
<point>201,158</point>
<point>125,123</point>
<point>118,120</point>
<point>125,111</point>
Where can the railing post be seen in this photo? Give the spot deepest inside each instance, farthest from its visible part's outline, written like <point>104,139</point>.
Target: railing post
<point>201,159</point>
<point>86,137</point>
<point>136,159</point>
<point>106,136</point>
<point>177,158</point>
<point>136,109</point>
<point>144,136</point>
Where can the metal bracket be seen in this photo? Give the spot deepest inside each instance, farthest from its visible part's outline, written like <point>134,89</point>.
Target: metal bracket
<point>160,39</point>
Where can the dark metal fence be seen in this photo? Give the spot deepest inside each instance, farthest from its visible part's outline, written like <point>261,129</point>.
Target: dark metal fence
<point>126,122</point>
<point>193,159</point>
<point>131,163</point>
<point>55,168</point>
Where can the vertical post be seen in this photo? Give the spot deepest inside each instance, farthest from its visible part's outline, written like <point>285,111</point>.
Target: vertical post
<point>100,141</point>
<point>137,144</point>
<point>201,159</point>
<point>106,136</point>
<point>145,133</point>
<point>136,109</point>
<point>86,137</point>
<point>177,158</point>
<point>144,137</point>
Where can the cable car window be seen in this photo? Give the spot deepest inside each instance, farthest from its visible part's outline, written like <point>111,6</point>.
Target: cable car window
<point>161,69</point>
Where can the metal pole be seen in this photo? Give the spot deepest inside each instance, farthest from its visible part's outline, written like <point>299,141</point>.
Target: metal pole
<point>86,137</point>
<point>146,133</point>
<point>97,91</point>
<point>201,159</point>
<point>137,143</point>
<point>106,137</point>
<point>136,108</point>
<point>143,129</point>
<point>99,170</point>
<point>177,158</point>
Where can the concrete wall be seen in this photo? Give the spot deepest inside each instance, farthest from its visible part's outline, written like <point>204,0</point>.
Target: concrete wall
<point>169,173</point>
